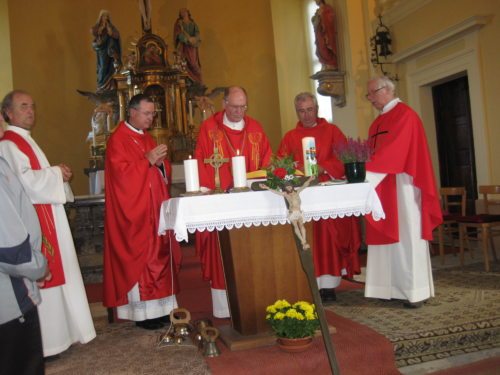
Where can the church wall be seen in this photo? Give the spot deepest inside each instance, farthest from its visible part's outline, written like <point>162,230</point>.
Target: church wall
<point>52,57</point>
<point>5,58</point>
<point>436,16</point>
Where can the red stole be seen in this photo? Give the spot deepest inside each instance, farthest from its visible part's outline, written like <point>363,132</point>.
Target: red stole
<point>50,245</point>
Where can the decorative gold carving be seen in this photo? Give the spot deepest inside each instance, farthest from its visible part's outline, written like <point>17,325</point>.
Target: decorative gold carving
<point>331,83</point>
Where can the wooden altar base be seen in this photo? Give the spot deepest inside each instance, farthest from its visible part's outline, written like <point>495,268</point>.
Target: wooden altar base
<point>236,341</point>
<point>261,265</point>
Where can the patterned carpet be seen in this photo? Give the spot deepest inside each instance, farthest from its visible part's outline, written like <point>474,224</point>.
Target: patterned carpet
<point>124,349</point>
<point>463,317</point>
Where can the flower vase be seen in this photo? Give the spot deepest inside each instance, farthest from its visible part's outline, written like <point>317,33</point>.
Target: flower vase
<point>355,172</point>
<point>294,345</point>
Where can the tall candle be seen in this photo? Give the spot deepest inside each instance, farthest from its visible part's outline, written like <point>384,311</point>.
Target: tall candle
<point>307,144</point>
<point>190,113</point>
<point>108,123</point>
<point>239,171</point>
<point>191,175</point>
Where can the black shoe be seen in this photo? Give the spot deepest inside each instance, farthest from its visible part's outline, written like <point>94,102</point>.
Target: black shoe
<point>327,295</point>
<point>51,358</point>
<point>164,319</point>
<point>150,324</point>
<point>413,305</point>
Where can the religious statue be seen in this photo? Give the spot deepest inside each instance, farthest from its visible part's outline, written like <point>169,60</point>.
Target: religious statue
<point>325,35</point>
<point>295,214</point>
<point>186,41</point>
<point>106,43</point>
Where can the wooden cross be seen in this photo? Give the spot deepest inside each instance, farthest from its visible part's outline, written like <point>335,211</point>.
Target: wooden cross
<point>216,160</point>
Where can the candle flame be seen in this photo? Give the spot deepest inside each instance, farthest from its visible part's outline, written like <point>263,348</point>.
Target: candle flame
<point>238,152</point>
<point>189,156</point>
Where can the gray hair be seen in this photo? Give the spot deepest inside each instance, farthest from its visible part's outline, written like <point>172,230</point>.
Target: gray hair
<point>385,81</point>
<point>303,96</point>
<point>7,103</point>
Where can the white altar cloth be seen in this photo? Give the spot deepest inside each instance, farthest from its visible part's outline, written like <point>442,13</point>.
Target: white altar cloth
<point>227,211</point>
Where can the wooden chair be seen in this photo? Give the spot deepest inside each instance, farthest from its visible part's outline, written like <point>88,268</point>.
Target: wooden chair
<point>485,226</point>
<point>453,204</point>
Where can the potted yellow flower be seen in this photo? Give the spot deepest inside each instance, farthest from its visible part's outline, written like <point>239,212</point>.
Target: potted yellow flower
<point>294,324</point>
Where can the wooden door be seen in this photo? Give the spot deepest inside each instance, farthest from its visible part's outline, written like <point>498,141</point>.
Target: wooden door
<point>455,138</point>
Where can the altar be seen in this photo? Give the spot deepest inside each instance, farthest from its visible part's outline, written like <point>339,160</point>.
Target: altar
<point>259,255</point>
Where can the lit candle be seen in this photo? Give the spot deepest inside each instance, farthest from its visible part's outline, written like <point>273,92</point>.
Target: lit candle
<point>191,175</point>
<point>190,113</point>
<point>239,170</point>
<point>307,144</point>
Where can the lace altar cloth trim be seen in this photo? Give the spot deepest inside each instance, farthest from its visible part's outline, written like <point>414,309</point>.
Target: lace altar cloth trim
<point>228,211</point>
<point>222,224</point>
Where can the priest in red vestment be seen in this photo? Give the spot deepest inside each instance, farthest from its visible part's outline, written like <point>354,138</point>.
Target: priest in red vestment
<point>398,264</point>
<point>140,267</point>
<point>335,241</point>
<point>231,132</point>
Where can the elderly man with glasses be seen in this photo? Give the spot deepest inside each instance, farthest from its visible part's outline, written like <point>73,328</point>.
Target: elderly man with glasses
<point>398,265</point>
<point>140,267</point>
<point>232,132</point>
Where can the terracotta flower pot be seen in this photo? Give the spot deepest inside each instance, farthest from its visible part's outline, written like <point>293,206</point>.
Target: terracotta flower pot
<point>294,345</point>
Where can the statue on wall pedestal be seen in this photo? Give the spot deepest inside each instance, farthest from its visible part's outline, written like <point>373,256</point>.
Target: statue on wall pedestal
<point>106,43</point>
<point>325,31</point>
<point>330,78</point>
<point>186,42</point>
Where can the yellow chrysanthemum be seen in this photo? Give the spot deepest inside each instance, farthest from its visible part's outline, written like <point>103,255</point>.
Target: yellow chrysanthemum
<point>279,316</point>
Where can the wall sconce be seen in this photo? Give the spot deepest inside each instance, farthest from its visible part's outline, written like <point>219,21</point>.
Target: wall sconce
<point>380,45</point>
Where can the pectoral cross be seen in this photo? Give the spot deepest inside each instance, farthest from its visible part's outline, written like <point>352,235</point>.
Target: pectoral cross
<point>216,160</point>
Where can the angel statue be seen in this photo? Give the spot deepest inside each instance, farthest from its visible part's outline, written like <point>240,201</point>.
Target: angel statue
<point>295,214</point>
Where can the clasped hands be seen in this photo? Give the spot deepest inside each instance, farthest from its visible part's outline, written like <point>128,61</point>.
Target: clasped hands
<point>157,155</point>
<point>67,174</point>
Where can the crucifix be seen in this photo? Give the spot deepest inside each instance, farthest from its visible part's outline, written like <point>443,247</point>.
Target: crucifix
<point>216,160</point>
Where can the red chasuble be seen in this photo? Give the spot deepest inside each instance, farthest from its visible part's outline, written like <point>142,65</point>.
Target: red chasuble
<point>133,251</point>
<point>400,146</point>
<point>251,142</point>
<point>335,241</point>
<point>50,244</point>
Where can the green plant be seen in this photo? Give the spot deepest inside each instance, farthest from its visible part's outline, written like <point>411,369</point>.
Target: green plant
<point>354,150</point>
<point>281,171</point>
<point>292,321</point>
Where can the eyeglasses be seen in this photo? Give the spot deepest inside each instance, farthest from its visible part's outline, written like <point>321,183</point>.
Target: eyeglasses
<point>146,113</point>
<point>375,91</point>
<point>242,108</point>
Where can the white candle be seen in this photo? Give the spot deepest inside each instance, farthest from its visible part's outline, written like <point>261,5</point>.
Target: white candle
<point>239,171</point>
<point>307,144</point>
<point>108,123</point>
<point>191,175</point>
<point>190,113</point>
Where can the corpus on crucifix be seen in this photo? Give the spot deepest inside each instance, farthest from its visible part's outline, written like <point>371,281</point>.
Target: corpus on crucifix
<point>216,160</point>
